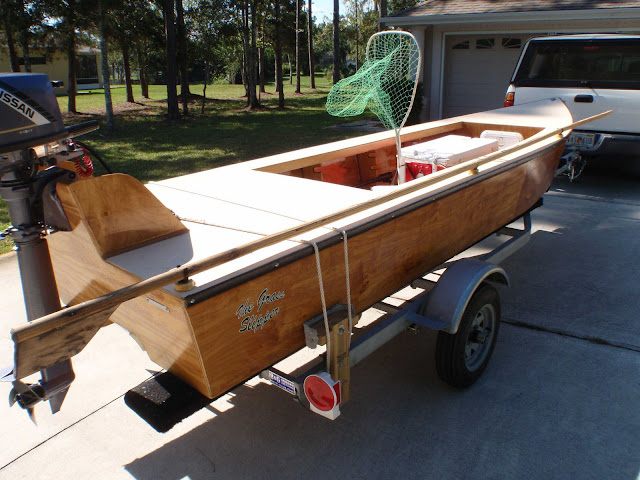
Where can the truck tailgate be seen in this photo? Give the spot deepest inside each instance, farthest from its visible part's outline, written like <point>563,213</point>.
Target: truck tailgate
<point>584,102</point>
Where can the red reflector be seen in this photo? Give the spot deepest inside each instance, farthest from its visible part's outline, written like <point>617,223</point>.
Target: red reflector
<point>321,391</point>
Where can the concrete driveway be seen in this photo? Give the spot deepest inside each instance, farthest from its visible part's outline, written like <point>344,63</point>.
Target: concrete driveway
<point>560,398</point>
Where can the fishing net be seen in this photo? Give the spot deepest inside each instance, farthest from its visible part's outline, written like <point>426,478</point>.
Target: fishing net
<point>386,83</point>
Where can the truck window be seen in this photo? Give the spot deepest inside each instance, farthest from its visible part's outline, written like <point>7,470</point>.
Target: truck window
<point>575,63</point>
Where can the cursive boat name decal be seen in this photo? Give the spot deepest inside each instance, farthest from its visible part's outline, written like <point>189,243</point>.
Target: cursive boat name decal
<point>251,321</point>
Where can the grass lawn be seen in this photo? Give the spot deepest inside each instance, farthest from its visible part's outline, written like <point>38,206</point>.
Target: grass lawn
<point>145,145</point>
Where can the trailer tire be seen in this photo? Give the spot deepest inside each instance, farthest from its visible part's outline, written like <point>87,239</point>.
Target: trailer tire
<point>462,357</point>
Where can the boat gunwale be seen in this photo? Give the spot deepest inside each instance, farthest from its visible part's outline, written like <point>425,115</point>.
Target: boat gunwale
<point>286,161</point>
<point>359,227</point>
<point>283,163</point>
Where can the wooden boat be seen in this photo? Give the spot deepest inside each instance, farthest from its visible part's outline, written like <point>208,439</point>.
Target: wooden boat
<point>246,236</point>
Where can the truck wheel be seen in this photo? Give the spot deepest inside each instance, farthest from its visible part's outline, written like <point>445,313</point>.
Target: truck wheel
<point>462,357</point>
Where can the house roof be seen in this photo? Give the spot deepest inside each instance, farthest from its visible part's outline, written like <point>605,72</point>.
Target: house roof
<point>462,7</point>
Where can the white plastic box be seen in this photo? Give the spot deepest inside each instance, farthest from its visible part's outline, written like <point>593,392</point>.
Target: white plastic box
<point>505,139</point>
<point>449,150</point>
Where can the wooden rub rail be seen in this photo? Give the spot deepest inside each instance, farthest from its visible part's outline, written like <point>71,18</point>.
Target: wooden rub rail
<point>57,328</point>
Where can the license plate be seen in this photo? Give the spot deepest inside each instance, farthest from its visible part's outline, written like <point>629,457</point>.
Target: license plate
<point>581,140</point>
<point>283,383</point>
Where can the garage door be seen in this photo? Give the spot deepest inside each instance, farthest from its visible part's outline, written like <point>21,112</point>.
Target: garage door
<point>477,71</point>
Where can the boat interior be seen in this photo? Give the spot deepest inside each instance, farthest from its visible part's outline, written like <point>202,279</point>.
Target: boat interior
<point>371,167</point>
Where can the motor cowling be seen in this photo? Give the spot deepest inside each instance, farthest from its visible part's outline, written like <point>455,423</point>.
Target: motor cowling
<point>29,112</point>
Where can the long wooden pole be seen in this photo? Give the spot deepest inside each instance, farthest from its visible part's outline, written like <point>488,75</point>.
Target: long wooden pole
<point>96,305</point>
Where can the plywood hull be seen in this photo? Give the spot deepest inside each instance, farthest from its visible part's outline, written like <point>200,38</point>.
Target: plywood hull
<point>382,260</point>
<point>247,314</point>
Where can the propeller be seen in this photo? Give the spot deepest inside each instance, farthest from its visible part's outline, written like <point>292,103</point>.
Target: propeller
<point>27,396</point>
<point>53,387</point>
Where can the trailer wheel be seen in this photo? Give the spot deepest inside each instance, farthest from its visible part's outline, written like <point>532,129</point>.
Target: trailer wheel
<point>462,357</point>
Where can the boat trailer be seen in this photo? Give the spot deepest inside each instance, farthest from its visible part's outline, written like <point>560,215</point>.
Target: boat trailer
<point>463,305</point>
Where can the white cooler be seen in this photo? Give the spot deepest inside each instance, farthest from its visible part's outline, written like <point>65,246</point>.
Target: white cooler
<point>445,152</point>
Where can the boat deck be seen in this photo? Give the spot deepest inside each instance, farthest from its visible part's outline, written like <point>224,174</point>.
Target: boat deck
<point>222,211</point>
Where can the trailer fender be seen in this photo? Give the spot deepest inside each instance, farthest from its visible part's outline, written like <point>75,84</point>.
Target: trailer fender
<point>449,298</point>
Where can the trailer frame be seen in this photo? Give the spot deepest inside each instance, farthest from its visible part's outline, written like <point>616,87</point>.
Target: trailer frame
<point>441,307</point>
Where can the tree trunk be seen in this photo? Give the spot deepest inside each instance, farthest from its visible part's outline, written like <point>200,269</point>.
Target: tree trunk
<point>11,44</point>
<point>25,54</point>
<point>253,56</point>
<point>261,67</point>
<point>357,37</point>
<point>336,41</point>
<point>24,37</point>
<point>71,56</point>
<point>243,72</point>
<point>249,42</point>
<point>278,48</point>
<point>297,46</point>
<point>244,13</point>
<point>182,58</point>
<point>26,59</point>
<point>173,113</point>
<point>104,65</point>
<point>127,69</point>
<point>204,88</point>
<point>142,72</point>
<point>383,13</point>
<point>312,78</point>
<point>275,69</point>
<point>290,70</point>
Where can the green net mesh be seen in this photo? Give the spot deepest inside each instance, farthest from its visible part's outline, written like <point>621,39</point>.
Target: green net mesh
<point>385,83</point>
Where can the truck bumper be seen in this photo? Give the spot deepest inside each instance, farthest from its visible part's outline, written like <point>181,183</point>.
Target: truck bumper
<point>606,144</point>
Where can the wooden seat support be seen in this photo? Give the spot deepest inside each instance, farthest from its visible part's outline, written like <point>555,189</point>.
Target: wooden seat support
<point>120,211</point>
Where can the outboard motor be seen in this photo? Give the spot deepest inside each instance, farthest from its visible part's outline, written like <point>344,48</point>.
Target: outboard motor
<point>36,152</point>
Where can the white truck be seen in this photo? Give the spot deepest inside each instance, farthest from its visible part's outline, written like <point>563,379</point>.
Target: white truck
<point>590,73</point>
